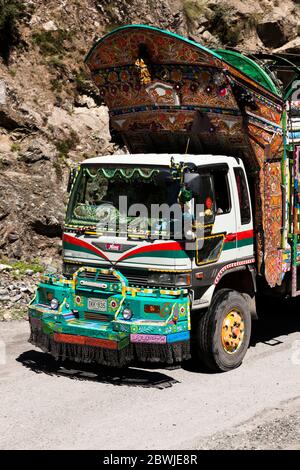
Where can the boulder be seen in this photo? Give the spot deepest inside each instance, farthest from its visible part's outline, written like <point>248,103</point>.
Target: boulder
<point>49,26</point>
<point>5,267</point>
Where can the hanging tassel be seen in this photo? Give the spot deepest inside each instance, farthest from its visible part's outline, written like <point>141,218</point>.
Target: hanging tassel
<point>169,353</point>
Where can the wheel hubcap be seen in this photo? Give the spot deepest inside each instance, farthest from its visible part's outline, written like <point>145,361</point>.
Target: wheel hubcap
<point>233,331</point>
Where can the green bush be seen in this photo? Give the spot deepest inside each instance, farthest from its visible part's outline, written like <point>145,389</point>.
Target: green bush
<point>193,9</point>
<point>64,146</point>
<point>56,62</point>
<point>222,24</point>
<point>51,42</point>
<point>15,147</point>
<point>21,266</point>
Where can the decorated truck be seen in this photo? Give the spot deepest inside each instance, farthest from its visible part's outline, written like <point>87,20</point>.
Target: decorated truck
<point>167,248</point>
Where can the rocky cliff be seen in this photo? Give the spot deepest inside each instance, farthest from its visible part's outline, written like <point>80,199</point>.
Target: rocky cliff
<point>51,114</point>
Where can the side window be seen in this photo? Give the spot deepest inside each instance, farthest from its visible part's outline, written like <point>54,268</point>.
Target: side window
<point>222,194</point>
<point>205,198</point>
<point>243,196</point>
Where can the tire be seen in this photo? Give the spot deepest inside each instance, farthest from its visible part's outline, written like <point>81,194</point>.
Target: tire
<point>228,307</point>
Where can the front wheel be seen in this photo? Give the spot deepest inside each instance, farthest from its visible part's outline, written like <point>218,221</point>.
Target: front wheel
<point>223,332</point>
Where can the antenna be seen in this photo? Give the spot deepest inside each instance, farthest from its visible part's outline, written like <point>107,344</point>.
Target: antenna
<point>187,145</point>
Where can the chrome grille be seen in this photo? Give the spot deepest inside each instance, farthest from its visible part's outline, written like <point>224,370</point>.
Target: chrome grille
<point>97,316</point>
<point>134,278</point>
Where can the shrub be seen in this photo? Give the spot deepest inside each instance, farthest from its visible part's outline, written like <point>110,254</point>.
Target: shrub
<point>15,147</point>
<point>64,146</point>
<point>223,25</point>
<point>51,42</point>
<point>56,62</point>
<point>193,9</point>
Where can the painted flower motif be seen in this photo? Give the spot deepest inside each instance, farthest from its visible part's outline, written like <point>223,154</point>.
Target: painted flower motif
<point>134,328</point>
<point>102,91</point>
<point>99,79</point>
<point>223,92</point>
<point>113,90</point>
<point>184,54</point>
<point>124,76</point>
<point>160,41</point>
<point>113,77</point>
<point>176,75</point>
<point>122,42</point>
<point>126,88</point>
<point>113,304</point>
<point>195,57</point>
<point>166,308</point>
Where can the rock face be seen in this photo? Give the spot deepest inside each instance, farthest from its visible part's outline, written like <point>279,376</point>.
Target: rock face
<point>16,293</point>
<point>51,115</point>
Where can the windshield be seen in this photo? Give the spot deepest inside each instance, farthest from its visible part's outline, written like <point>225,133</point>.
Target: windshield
<point>123,199</point>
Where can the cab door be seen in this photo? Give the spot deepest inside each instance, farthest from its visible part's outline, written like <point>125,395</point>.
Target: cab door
<point>225,212</point>
<point>218,245</point>
<point>245,234</point>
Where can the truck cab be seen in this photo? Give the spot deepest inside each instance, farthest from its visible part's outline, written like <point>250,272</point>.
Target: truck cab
<point>153,243</point>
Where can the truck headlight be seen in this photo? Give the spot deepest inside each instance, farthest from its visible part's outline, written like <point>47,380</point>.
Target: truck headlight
<point>127,313</point>
<point>69,269</point>
<point>161,279</point>
<point>54,304</point>
<point>183,279</point>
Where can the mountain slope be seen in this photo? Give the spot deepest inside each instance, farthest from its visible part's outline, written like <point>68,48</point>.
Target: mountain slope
<point>52,114</point>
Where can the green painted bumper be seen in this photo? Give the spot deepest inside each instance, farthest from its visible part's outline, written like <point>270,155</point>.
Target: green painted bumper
<point>89,326</point>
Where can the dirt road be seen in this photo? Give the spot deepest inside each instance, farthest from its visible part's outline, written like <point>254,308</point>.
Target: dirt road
<point>47,405</point>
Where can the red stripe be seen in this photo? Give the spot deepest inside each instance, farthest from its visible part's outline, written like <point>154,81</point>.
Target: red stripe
<point>85,340</point>
<point>173,246</point>
<point>244,235</point>
<point>241,235</point>
<point>76,241</point>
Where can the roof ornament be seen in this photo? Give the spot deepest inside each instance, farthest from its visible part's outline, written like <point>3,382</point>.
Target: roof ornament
<point>145,76</point>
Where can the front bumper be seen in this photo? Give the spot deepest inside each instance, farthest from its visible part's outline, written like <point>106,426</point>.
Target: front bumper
<point>70,333</point>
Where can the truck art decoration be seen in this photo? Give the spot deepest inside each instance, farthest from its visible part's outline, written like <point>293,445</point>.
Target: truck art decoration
<point>205,128</point>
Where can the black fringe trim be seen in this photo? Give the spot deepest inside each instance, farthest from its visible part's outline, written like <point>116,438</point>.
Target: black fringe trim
<point>169,353</point>
<point>81,353</point>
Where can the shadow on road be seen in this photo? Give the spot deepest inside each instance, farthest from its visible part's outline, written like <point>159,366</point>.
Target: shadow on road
<point>40,362</point>
<point>276,319</point>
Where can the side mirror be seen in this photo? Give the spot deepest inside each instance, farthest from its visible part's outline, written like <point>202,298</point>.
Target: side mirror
<point>192,182</point>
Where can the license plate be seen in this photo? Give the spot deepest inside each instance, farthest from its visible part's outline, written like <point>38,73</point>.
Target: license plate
<point>99,305</point>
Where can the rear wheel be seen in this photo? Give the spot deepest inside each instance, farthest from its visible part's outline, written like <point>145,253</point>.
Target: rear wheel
<point>223,332</point>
